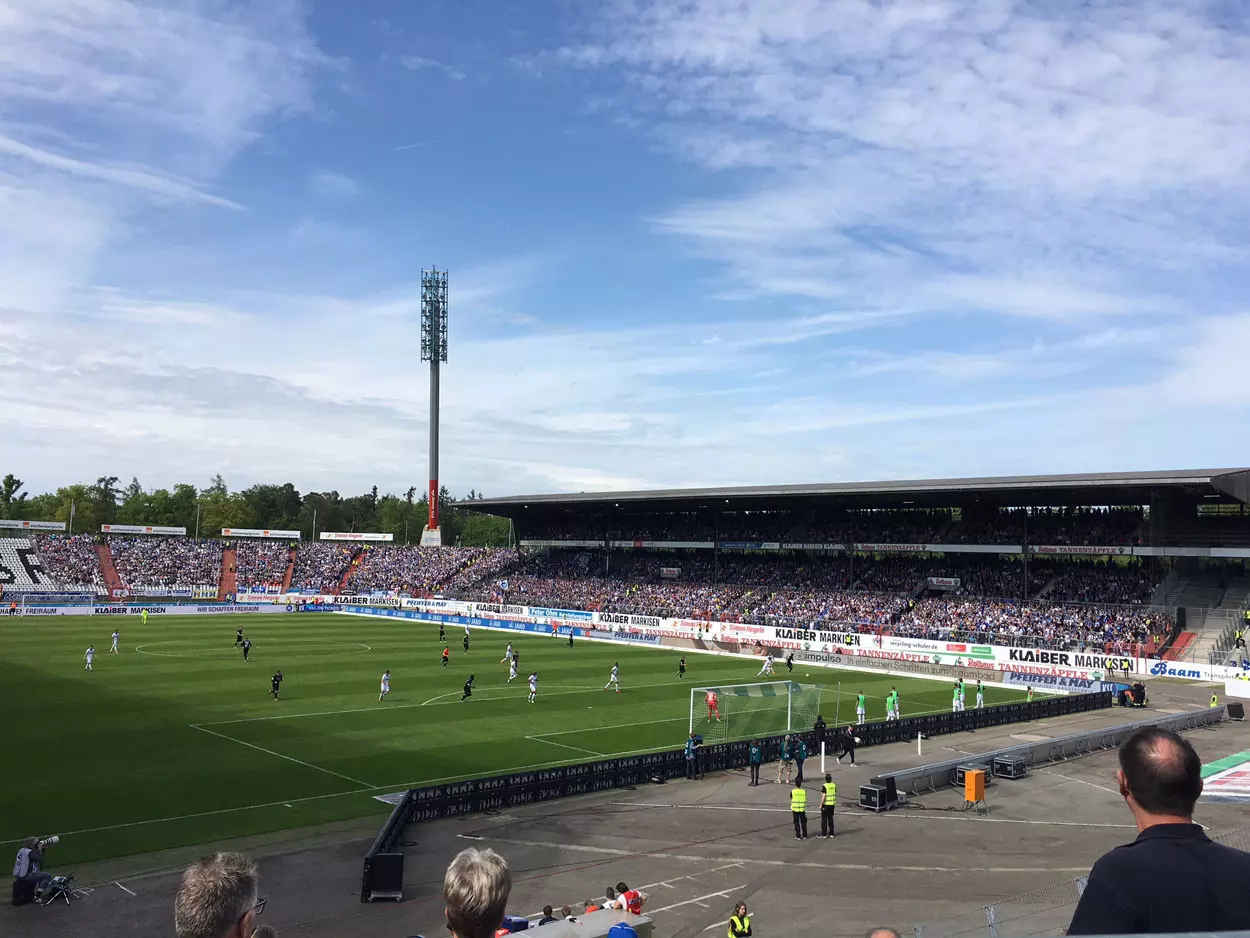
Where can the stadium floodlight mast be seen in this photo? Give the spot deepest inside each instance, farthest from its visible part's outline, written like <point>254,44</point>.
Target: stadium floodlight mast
<point>434,351</point>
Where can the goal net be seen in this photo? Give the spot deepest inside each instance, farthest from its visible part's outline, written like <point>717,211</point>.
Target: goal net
<point>745,711</point>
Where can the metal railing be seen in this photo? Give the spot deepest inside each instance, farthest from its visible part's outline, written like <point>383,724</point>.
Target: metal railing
<point>1044,911</point>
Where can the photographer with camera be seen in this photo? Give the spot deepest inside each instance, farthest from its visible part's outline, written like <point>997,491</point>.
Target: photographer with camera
<point>29,880</point>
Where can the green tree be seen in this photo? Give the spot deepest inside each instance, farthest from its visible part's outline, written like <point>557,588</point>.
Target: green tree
<point>10,500</point>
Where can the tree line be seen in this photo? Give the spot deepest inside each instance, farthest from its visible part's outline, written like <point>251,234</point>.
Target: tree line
<point>279,507</point>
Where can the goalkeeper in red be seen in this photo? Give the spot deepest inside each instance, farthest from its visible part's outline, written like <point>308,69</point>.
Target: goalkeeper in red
<point>713,706</point>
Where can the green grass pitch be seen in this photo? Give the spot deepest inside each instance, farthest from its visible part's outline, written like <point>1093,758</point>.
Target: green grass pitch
<point>176,741</point>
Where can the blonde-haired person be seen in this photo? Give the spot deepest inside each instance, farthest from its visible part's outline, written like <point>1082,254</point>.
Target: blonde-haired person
<point>217,898</point>
<point>475,892</point>
<point>740,922</point>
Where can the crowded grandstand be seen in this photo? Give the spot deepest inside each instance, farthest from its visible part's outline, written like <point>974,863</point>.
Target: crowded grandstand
<point>1070,575</point>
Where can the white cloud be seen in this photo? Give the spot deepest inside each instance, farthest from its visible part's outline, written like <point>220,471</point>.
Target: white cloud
<point>1029,159</point>
<point>332,187</point>
<point>417,63</point>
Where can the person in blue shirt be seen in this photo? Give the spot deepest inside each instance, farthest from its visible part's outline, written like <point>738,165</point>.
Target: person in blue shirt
<point>692,757</point>
<point>756,759</point>
<point>800,753</point>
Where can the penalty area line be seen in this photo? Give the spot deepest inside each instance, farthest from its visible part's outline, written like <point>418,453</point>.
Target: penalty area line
<point>270,752</point>
<point>591,752</point>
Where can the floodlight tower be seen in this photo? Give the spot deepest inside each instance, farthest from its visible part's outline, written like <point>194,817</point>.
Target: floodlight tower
<point>434,351</point>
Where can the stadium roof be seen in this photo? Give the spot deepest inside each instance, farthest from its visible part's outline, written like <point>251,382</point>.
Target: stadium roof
<point>1101,488</point>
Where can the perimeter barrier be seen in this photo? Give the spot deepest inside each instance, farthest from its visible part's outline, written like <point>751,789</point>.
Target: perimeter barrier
<point>383,866</point>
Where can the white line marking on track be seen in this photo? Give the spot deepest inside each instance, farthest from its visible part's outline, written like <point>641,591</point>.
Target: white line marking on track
<point>539,739</point>
<point>789,864</point>
<point>926,815</point>
<point>1079,781</point>
<point>308,765</point>
<point>699,900</point>
<point>122,888</point>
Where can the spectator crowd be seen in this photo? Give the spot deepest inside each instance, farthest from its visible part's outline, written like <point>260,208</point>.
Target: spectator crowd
<point>261,564</point>
<point>320,565</point>
<point>71,560</point>
<point>166,562</point>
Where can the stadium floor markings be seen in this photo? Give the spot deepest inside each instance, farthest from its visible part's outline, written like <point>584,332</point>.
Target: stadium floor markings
<point>279,755</point>
<point>845,814</point>
<point>589,752</point>
<point>1079,781</point>
<point>697,900</point>
<point>788,864</point>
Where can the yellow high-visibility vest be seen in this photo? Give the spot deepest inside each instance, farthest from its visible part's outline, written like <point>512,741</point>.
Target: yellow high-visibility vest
<point>739,926</point>
<point>1215,701</point>
<point>831,793</point>
<point>798,800</point>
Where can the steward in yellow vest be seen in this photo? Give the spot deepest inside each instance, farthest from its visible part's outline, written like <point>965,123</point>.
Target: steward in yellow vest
<point>798,807</point>
<point>740,922</point>
<point>828,798</point>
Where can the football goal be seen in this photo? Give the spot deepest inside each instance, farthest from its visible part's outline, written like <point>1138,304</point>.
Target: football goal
<point>745,711</point>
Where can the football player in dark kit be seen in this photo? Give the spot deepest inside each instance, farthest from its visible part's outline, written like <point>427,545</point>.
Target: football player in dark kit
<point>468,689</point>
<point>238,636</point>
<point>466,643</point>
<point>681,668</point>
<point>442,633</point>
<point>275,683</point>
<point>247,648</point>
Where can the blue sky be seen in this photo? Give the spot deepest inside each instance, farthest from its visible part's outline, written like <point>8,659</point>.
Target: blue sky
<point>690,241</point>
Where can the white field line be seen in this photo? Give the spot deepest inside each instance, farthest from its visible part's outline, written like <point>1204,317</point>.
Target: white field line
<point>581,689</point>
<point>367,790</point>
<point>539,739</point>
<point>307,765</point>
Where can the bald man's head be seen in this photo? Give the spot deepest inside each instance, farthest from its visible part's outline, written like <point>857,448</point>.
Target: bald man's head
<point>883,933</point>
<point>1161,771</point>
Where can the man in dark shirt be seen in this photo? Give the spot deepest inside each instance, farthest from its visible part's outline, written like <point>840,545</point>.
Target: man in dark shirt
<point>1172,878</point>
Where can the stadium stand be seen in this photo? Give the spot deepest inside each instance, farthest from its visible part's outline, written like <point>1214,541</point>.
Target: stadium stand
<point>72,560</point>
<point>21,570</point>
<point>321,566</point>
<point>156,562</point>
<point>261,564</point>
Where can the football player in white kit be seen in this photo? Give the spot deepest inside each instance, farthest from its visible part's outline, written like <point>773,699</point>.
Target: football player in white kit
<point>768,666</point>
<point>89,654</point>
<point>117,637</point>
<point>956,703</point>
<point>980,695</point>
<point>511,669</point>
<point>614,677</point>
<point>507,655</point>
<point>386,685</point>
<point>533,686</point>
